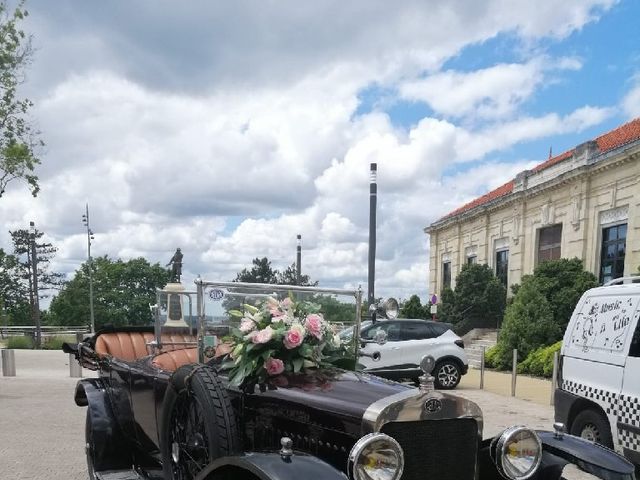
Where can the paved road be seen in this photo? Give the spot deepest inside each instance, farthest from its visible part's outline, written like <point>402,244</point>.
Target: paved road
<point>42,430</point>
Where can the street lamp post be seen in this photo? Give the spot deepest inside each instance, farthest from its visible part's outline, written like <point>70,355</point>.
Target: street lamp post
<point>85,221</point>
<point>373,197</point>
<point>34,284</point>
<point>299,260</point>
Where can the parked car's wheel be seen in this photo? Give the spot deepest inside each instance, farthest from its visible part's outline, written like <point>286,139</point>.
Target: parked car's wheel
<point>198,422</point>
<point>592,425</point>
<point>89,446</point>
<point>447,374</point>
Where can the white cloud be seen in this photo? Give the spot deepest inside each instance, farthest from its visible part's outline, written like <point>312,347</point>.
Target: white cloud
<point>631,101</point>
<point>493,92</point>
<point>475,145</point>
<point>242,131</point>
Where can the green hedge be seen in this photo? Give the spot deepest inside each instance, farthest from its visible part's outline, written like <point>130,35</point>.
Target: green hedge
<point>55,343</point>
<point>490,357</point>
<point>540,361</point>
<point>19,343</point>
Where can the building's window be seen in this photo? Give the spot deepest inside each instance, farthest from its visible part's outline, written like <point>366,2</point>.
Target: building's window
<point>472,259</point>
<point>549,240</point>
<point>446,275</point>
<point>502,266</point>
<point>614,246</point>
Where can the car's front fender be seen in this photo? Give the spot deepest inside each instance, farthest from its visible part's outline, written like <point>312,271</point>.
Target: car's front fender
<point>560,451</point>
<point>271,466</point>
<point>109,448</point>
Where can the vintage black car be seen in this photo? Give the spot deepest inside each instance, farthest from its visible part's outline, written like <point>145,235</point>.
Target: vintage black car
<point>161,407</point>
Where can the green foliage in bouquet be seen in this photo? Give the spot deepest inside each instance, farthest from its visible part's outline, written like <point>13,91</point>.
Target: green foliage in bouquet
<point>283,336</point>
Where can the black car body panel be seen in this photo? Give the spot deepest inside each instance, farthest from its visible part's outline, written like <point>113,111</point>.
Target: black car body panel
<point>324,413</point>
<point>272,466</point>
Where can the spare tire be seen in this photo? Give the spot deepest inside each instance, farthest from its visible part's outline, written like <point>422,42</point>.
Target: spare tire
<point>198,423</point>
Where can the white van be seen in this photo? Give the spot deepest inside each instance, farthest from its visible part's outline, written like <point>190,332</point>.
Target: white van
<point>599,371</point>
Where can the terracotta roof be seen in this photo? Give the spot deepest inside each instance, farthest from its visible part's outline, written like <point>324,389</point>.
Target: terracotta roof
<point>608,141</point>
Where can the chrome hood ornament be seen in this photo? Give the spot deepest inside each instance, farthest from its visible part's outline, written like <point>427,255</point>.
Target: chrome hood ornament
<point>426,380</point>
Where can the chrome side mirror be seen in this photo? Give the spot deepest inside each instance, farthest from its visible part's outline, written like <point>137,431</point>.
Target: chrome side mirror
<point>380,337</point>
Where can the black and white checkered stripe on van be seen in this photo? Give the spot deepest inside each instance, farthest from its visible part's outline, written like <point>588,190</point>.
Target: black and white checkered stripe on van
<point>625,408</point>
<point>629,414</point>
<point>607,399</point>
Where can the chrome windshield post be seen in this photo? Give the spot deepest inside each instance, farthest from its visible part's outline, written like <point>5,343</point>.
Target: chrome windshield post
<point>201,317</point>
<point>356,326</point>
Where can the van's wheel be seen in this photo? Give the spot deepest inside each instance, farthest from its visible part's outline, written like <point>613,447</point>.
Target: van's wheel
<point>89,446</point>
<point>447,375</point>
<point>592,426</point>
<point>198,422</point>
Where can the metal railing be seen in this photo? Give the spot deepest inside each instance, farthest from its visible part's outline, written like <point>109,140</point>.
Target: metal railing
<point>12,330</point>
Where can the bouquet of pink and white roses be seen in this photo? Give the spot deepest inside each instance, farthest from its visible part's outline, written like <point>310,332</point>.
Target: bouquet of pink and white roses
<point>281,336</point>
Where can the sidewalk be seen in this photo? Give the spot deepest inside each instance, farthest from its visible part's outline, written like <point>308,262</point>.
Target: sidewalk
<point>42,430</point>
<point>533,389</point>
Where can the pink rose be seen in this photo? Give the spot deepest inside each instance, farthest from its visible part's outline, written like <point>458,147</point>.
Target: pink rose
<point>286,303</point>
<point>263,336</point>
<point>246,325</point>
<point>293,338</point>
<point>276,312</point>
<point>274,366</point>
<point>313,323</point>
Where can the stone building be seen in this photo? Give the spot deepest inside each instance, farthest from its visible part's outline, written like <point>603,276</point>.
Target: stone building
<point>583,203</point>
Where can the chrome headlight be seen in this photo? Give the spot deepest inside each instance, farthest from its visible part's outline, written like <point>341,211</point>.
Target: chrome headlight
<point>376,456</point>
<point>517,453</point>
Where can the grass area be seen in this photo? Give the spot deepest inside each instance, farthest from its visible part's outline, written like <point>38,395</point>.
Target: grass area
<point>55,342</point>
<point>19,343</point>
<point>26,343</point>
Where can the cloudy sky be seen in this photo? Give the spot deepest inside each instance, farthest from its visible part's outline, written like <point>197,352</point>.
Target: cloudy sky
<point>226,128</point>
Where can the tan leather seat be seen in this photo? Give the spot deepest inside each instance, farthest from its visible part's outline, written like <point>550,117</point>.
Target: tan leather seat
<point>171,361</point>
<point>130,346</point>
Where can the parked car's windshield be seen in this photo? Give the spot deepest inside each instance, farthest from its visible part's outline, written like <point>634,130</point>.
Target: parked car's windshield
<point>347,334</point>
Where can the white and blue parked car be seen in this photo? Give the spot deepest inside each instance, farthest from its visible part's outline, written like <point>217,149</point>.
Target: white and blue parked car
<point>407,342</point>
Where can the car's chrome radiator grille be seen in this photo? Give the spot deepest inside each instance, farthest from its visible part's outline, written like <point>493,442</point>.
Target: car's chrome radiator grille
<point>443,449</point>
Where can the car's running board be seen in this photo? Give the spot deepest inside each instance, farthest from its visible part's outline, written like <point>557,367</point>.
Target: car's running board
<point>129,475</point>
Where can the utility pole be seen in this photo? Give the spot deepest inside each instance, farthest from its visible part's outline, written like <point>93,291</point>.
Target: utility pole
<point>299,260</point>
<point>85,221</point>
<point>34,285</point>
<point>373,198</point>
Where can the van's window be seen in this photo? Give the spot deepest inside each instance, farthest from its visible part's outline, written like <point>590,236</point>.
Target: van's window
<point>603,323</point>
<point>634,348</point>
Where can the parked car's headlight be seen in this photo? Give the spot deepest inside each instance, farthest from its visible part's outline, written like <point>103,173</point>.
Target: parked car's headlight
<point>517,452</point>
<point>376,456</point>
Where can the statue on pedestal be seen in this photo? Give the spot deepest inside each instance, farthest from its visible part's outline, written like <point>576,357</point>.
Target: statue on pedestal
<point>176,266</point>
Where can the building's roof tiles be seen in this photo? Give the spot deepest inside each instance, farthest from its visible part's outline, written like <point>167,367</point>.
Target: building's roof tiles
<point>608,141</point>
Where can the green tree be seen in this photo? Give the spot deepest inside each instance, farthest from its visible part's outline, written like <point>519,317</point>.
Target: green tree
<point>478,300</point>
<point>289,276</point>
<point>562,282</point>
<point>260,272</point>
<point>18,140</point>
<point>123,292</point>
<point>14,296</point>
<point>528,325</point>
<point>542,307</point>
<point>47,280</point>
<point>413,308</point>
